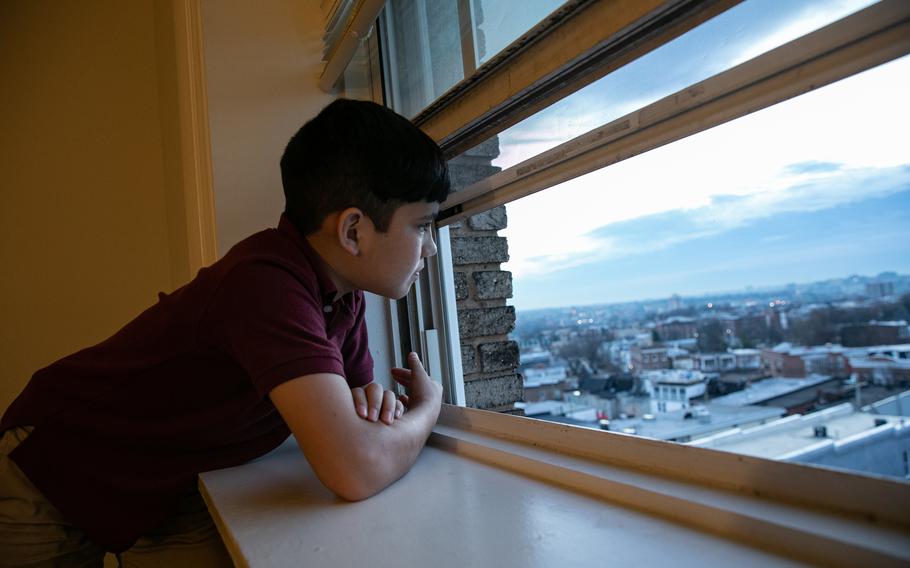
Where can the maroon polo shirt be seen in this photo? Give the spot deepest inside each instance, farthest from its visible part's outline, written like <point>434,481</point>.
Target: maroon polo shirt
<point>123,428</point>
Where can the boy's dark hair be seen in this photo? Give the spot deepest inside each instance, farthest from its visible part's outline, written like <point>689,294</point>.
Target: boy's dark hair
<point>359,154</point>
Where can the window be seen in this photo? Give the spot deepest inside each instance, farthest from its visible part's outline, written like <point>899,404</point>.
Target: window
<point>731,191</point>
<point>644,138</point>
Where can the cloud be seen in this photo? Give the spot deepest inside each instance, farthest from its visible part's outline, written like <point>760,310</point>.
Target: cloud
<point>813,166</point>
<point>658,231</point>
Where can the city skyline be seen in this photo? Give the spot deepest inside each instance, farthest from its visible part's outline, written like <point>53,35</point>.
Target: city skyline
<point>721,296</point>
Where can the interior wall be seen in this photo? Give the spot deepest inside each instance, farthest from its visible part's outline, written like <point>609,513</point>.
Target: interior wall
<point>84,232</point>
<point>263,60</point>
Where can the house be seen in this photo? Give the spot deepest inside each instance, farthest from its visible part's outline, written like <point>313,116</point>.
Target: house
<point>786,360</point>
<point>674,389</point>
<point>647,358</point>
<point>677,327</point>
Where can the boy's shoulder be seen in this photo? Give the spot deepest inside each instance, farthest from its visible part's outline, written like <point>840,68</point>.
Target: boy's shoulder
<point>271,262</point>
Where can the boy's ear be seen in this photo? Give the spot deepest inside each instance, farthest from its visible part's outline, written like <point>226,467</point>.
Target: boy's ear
<point>350,228</point>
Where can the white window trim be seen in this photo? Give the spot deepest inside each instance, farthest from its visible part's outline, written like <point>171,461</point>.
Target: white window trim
<point>442,279</point>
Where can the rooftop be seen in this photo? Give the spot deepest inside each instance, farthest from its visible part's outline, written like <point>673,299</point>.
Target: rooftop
<point>786,435</point>
<point>768,389</point>
<point>674,425</point>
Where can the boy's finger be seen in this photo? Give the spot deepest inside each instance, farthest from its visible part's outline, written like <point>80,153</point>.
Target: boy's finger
<point>402,376</point>
<point>403,398</point>
<point>374,401</point>
<point>388,407</point>
<point>405,382</point>
<point>360,401</point>
<point>399,408</point>
<point>414,361</point>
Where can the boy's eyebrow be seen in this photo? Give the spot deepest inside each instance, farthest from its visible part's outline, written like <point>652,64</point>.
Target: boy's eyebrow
<point>430,217</point>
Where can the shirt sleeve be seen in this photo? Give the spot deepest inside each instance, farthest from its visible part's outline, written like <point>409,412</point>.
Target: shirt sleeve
<point>272,325</point>
<point>358,363</point>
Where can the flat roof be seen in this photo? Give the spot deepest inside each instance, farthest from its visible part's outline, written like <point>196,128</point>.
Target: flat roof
<point>768,389</point>
<point>776,440</point>
<point>674,425</point>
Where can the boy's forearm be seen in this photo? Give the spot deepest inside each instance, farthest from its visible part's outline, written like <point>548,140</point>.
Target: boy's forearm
<point>353,457</point>
<point>387,452</point>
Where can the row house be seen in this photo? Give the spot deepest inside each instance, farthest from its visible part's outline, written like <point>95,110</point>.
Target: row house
<point>677,327</point>
<point>875,333</point>
<point>733,360</point>
<point>674,389</point>
<point>881,370</point>
<point>785,360</point>
<point>649,358</point>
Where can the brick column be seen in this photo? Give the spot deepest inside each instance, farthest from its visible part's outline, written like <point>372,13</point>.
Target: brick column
<point>489,359</point>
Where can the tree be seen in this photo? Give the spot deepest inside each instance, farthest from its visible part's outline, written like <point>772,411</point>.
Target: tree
<point>711,337</point>
<point>817,328</point>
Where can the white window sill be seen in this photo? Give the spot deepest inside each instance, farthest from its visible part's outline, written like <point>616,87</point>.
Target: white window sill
<point>573,497</point>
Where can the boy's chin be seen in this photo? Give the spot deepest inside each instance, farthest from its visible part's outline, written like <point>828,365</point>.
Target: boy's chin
<point>407,289</point>
<point>394,294</point>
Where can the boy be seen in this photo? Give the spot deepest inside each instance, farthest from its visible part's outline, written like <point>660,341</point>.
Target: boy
<point>102,449</point>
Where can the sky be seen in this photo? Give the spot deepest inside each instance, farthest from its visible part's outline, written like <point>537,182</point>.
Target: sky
<point>812,188</point>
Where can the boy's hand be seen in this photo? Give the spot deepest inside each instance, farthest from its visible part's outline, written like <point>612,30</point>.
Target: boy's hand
<point>421,388</point>
<point>373,403</point>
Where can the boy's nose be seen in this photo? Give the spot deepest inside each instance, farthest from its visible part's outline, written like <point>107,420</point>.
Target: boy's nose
<point>429,246</point>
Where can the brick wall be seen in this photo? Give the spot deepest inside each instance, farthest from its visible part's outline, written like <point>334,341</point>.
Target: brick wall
<point>489,359</point>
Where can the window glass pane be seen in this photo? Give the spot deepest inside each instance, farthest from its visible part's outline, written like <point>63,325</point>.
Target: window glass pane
<point>422,42</point>
<point>737,35</point>
<point>360,79</point>
<point>431,46</point>
<point>746,288</point>
<point>497,23</point>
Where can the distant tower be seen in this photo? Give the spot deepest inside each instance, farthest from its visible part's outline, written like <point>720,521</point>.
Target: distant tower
<point>675,302</point>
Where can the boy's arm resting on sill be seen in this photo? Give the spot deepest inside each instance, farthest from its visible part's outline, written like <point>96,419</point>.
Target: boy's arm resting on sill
<point>353,457</point>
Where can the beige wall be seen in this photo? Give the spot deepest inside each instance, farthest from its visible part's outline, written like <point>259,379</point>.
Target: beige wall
<point>84,234</point>
<point>262,62</point>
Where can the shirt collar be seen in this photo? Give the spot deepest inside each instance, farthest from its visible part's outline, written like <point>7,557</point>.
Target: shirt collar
<point>326,286</point>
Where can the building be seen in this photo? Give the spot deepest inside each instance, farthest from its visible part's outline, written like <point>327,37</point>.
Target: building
<point>788,393</point>
<point>881,370</point>
<point>544,376</point>
<point>714,362</point>
<point>875,333</point>
<point>786,360</point>
<point>879,289</point>
<point>674,389</point>
<point>684,425</point>
<point>677,327</point>
<point>835,437</point>
<point>649,358</point>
